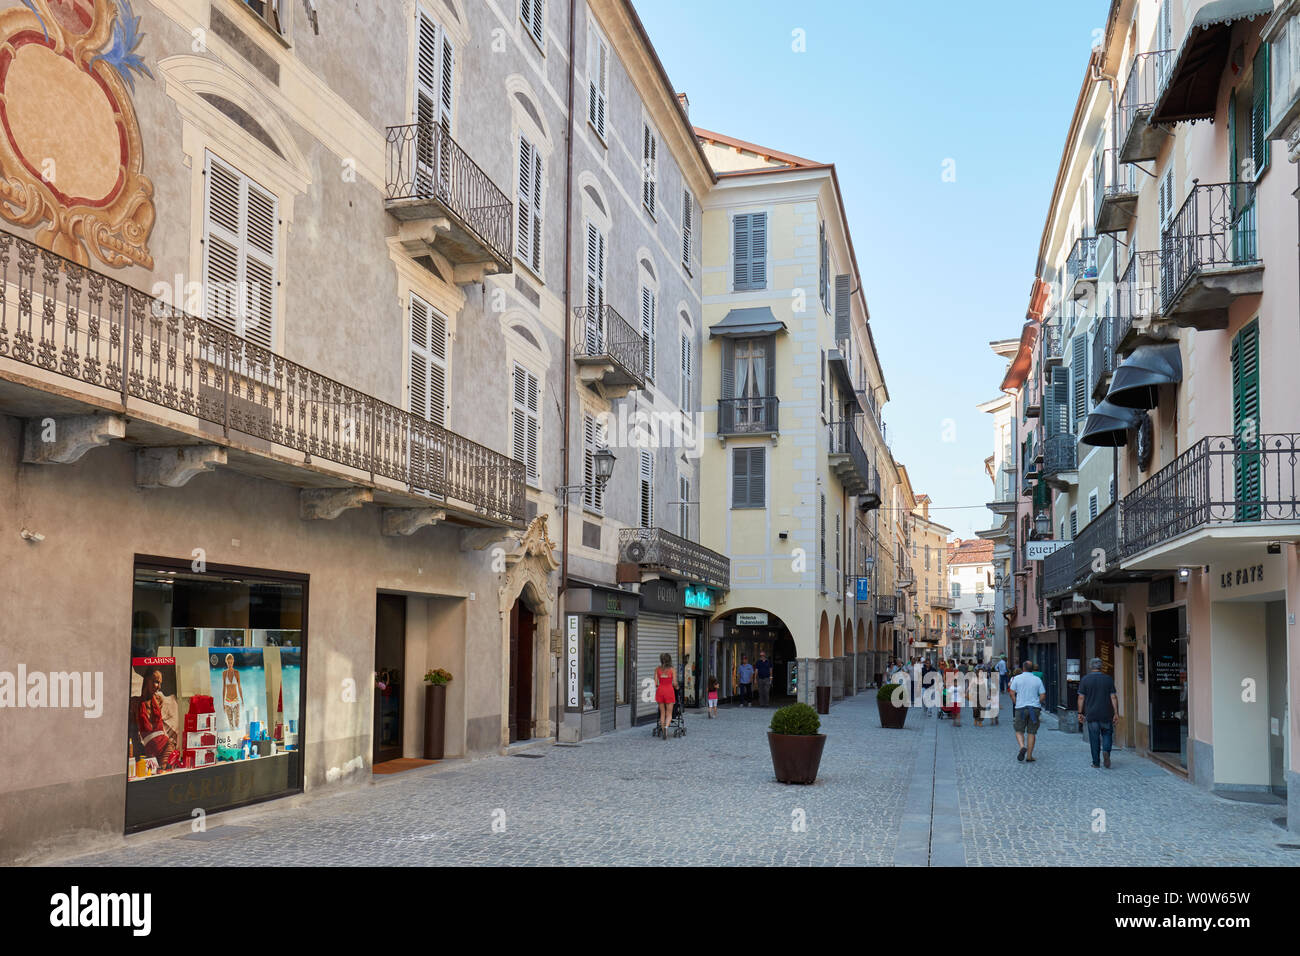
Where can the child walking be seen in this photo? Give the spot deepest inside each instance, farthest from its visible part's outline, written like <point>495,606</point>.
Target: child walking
<point>713,697</point>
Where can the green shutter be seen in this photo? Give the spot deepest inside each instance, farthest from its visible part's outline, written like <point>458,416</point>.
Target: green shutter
<point>1246,421</point>
<point>1079,371</point>
<point>1259,111</point>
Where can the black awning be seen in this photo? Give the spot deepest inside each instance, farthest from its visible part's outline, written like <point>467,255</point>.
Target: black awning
<point>1136,382</point>
<point>744,323</point>
<point>1192,90</point>
<point>1108,425</point>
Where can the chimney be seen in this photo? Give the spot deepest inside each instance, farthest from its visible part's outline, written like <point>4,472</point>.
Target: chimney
<point>686,104</point>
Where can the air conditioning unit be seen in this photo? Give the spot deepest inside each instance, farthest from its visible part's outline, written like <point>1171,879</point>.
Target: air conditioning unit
<point>634,551</point>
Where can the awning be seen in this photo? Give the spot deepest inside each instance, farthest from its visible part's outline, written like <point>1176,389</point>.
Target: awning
<point>744,323</point>
<point>1108,425</point>
<point>839,367</point>
<point>1192,90</point>
<point>1136,382</point>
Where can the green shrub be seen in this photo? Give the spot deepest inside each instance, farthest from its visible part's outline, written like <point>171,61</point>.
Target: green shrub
<point>886,693</point>
<point>797,719</point>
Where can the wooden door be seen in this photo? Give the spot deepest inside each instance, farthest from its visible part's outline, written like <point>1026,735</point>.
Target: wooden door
<point>522,718</point>
<point>390,665</point>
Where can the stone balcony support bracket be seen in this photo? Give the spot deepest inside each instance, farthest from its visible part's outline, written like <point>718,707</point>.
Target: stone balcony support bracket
<point>173,467</point>
<point>326,504</point>
<point>61,441</point>
<point>407,521</point>
<point>479,539</point>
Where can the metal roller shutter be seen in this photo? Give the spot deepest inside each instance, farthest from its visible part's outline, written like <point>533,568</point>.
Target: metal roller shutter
<point>608,635</point>
<point>655,635</point>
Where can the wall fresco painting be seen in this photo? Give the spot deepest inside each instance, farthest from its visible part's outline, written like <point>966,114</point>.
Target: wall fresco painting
<point>70,153</point>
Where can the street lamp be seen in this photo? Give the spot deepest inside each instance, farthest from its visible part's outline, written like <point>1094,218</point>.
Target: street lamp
<point>602,461</point>
<point>1043,524</point>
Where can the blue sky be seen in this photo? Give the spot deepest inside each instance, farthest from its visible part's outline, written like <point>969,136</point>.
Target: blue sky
<point>889,91</point>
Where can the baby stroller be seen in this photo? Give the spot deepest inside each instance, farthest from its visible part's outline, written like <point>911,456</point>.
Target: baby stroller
<point>677,726</point>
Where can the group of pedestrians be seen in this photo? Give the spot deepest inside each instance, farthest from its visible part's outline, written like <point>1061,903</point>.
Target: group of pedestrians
<point>747,675</point>
<point>1098,709</point>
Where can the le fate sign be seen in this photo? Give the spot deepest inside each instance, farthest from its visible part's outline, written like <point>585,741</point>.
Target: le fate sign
<point>1039,550</point>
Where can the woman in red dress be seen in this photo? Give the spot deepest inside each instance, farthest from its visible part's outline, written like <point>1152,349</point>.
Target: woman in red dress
<point>665,696</point>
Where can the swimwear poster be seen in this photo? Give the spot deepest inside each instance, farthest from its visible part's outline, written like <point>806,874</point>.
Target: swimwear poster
<point>238,687</point>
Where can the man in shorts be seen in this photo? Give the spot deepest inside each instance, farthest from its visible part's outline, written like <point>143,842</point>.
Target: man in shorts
<point>1028,695</point>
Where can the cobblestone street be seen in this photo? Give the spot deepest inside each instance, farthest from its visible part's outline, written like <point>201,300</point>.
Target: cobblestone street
<point>882,797</point>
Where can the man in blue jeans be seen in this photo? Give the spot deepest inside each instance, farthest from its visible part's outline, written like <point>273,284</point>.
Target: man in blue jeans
<point>745,677</point>
<point>1099,706</point>
<point>763,671</point>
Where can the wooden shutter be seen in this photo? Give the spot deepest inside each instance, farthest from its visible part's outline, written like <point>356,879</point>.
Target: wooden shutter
<point>533,13</point>
<point>1092,506</point>
<point>1074,523</point>
<point>1164,29</point>
<point>758,477</point>
<point>241,222</point>
<point>647,489</point>
<point>822,369</point>
<point>524,234</point>
<point>740,478</point>
<point>823,263</point>
<point>758,250</point>
<point>428,359</point>
<point>526,422</point>
<point>1259,111</point>
<point>688,224</point>
<point>593,497</point>
<point>429,99</point>
<point>822,564</point>
<point>684,493</point>
<point>842,307</point>
<point>597,81</point>
<point>1246,421</point>
<point>648,330</point>
<point>686,370</point>
<point>1056,405</point>
<point>1079,372</point>
<point>595,332</point>
<point>1166,189</point>
<point>649,168</point>
<point>740,251</point>
<point>728,368</point>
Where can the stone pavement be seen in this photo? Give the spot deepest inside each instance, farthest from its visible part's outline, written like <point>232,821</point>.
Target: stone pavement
<point>930,794</point>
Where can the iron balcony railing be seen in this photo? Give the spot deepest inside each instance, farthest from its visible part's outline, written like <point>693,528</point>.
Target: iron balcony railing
<point>1053,341</point>
<point>844,441</point>
<point>1146,78</point>
<point>1138,293</point>
<point>886,605</point>
<point>1220,480</point>
<point>1059,454</point>
<point>746,416</point>
<point>424,162</point>
<point>1058,571</point>
<point>604,334</point>
<point>941,601</point>
<point>1097,547</point>
<point>71,321</point>
<point>666,551</point>
<point>1103,353</point>
<point>1082,261</point>
<point>1214,228</point>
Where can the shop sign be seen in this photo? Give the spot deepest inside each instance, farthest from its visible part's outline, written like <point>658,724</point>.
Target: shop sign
<point>573,661</point>
<point>1255,578</point>
<point>699,597</point>
<point>1039,550</point>
<point>864,589</point>
<point>752,619</point>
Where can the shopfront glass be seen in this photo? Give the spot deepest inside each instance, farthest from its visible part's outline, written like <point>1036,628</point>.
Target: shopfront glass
<point>590,641</point>
<point>691,662</point>
<point>620,665</point>
<point>216,671</point>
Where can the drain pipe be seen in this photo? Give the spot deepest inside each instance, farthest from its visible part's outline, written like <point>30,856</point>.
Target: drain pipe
<point>568,360</point>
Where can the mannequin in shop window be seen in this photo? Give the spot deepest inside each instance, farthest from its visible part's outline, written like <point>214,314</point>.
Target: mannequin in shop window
<point>232,693</point>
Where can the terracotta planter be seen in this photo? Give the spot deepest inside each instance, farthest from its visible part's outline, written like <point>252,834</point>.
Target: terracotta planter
<point>892,717</point>
<point>796,757</point>
<point>435,720</point>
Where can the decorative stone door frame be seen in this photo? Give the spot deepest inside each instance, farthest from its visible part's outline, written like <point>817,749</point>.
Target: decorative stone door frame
<point>529,564</point>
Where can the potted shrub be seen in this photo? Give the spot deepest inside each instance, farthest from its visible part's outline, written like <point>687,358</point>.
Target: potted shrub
<point>892,704</point>
<point>795,744</point>
<point>435,713</point>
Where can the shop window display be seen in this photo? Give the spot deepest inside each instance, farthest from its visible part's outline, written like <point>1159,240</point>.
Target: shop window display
<point>216,673</point>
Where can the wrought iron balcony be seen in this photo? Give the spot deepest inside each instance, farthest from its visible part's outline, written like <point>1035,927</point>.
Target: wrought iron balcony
<point>1210,255</point>
<point>1098,552</point>
<point>1219,481</point>
<point>869,500</point>
<point>79,341</point>
<point>1103,357</point>
<point>1081,266</point>
<point>886,606</point>
<point>1060,459</point>
<point>445,201</point>
<point>654,549</point>
<point>1058,571</point>
<point>1053,342</point>
<point>748,416</point>
<point>609,352</point>
<point>1138,303</point>
<point>1138,140</point>
<point>848,459</point>
<point>1116,193</point>
<point>940,601</point>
